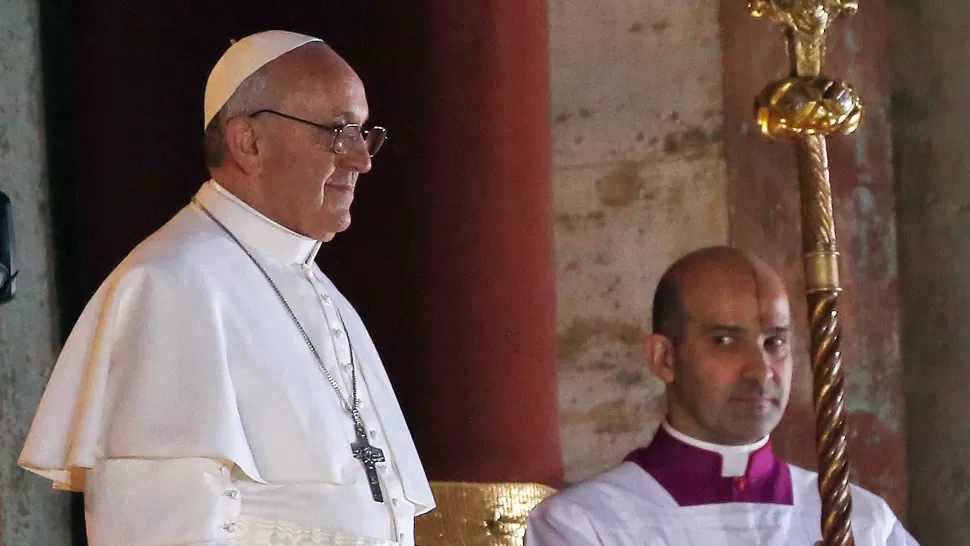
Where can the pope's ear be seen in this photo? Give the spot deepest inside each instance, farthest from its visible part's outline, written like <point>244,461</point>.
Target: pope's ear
<point>243,143</point>
<point>659,357</point>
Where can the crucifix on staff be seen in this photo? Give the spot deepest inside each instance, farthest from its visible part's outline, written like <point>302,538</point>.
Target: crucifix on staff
<point>806,107</point>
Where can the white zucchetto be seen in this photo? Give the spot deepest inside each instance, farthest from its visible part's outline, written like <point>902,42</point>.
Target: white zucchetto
<point>242,59</point>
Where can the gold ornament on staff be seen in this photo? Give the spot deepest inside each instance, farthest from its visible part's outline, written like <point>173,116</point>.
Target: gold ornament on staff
<point>805,108</point>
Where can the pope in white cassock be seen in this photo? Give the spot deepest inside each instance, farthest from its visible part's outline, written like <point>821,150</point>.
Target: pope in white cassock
<point>722,344</point>
<point>218,390</point>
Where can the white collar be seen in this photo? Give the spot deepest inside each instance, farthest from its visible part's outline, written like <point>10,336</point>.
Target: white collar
<point>254,229</point>
<point>735,458</point>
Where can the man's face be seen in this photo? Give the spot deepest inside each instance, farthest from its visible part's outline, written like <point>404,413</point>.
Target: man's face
<point>733,365</point>
<point>309,185</point>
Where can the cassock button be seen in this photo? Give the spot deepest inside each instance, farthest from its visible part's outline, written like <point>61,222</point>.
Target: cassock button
<point>401,537</point>
<point>382,468</point>
<point>373,433</point>
<point>740,484</point>
<point>229,527</point>
<point>337,333</point>
<point>326,298</point>
<point>232,494</point>
<point>395,501</point>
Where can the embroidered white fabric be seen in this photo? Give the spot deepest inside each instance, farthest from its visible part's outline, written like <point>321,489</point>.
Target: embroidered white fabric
<point>252,531</point>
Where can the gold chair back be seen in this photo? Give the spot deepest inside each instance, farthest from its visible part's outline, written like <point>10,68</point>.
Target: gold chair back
<point>479,514</point>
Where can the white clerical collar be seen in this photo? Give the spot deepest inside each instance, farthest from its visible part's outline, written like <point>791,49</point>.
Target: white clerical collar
<point>254,229</point>
<point>735,458</point>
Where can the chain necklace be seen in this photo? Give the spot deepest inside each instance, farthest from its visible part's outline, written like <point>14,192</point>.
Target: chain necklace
<point>367,454</point>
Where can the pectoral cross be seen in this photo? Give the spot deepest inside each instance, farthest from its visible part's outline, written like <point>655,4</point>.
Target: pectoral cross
<point>368,456</point>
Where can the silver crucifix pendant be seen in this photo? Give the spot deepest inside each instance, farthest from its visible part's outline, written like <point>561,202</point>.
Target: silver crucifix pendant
<point>368,456</point>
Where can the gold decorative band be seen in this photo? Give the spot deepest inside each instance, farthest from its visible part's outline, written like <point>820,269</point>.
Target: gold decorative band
<point>822,272</point>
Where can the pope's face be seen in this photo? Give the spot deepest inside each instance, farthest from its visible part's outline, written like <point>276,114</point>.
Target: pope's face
<point>311,186</point>
<point>733,366</point>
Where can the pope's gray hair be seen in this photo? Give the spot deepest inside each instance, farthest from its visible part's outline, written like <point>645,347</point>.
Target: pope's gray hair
<point>252,94</point>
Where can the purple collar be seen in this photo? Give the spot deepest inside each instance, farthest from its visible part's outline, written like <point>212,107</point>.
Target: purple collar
<point>692,476</point>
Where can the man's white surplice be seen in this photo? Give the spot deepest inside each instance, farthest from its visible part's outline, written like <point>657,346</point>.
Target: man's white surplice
<point>627,507</point>
<point>189,409</point>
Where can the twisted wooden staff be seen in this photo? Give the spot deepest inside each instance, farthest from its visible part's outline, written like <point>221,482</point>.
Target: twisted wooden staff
<point>804,108</point>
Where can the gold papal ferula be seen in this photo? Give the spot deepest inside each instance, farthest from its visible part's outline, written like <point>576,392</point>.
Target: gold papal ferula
<point>809,106</point>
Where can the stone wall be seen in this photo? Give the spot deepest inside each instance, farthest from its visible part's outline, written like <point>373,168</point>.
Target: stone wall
<point>30,511</point>
<point>639,179</point>
<point>931,122</point>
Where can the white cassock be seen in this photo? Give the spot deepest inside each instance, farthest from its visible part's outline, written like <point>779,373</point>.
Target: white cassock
<point>628,506</point>
<point>189,409</point>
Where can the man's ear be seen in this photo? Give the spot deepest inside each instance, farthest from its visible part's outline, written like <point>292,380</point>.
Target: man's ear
<point>659,357</point>
<point>243,143</point>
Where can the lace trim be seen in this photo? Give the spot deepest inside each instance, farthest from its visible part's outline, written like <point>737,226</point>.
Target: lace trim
<point>262,532</point>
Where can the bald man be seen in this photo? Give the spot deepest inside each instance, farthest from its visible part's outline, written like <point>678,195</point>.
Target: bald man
<point>218,389</point>
<point>722,345</point>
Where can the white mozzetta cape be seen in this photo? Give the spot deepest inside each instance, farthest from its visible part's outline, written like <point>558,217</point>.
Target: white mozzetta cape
<point>185,352</point>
